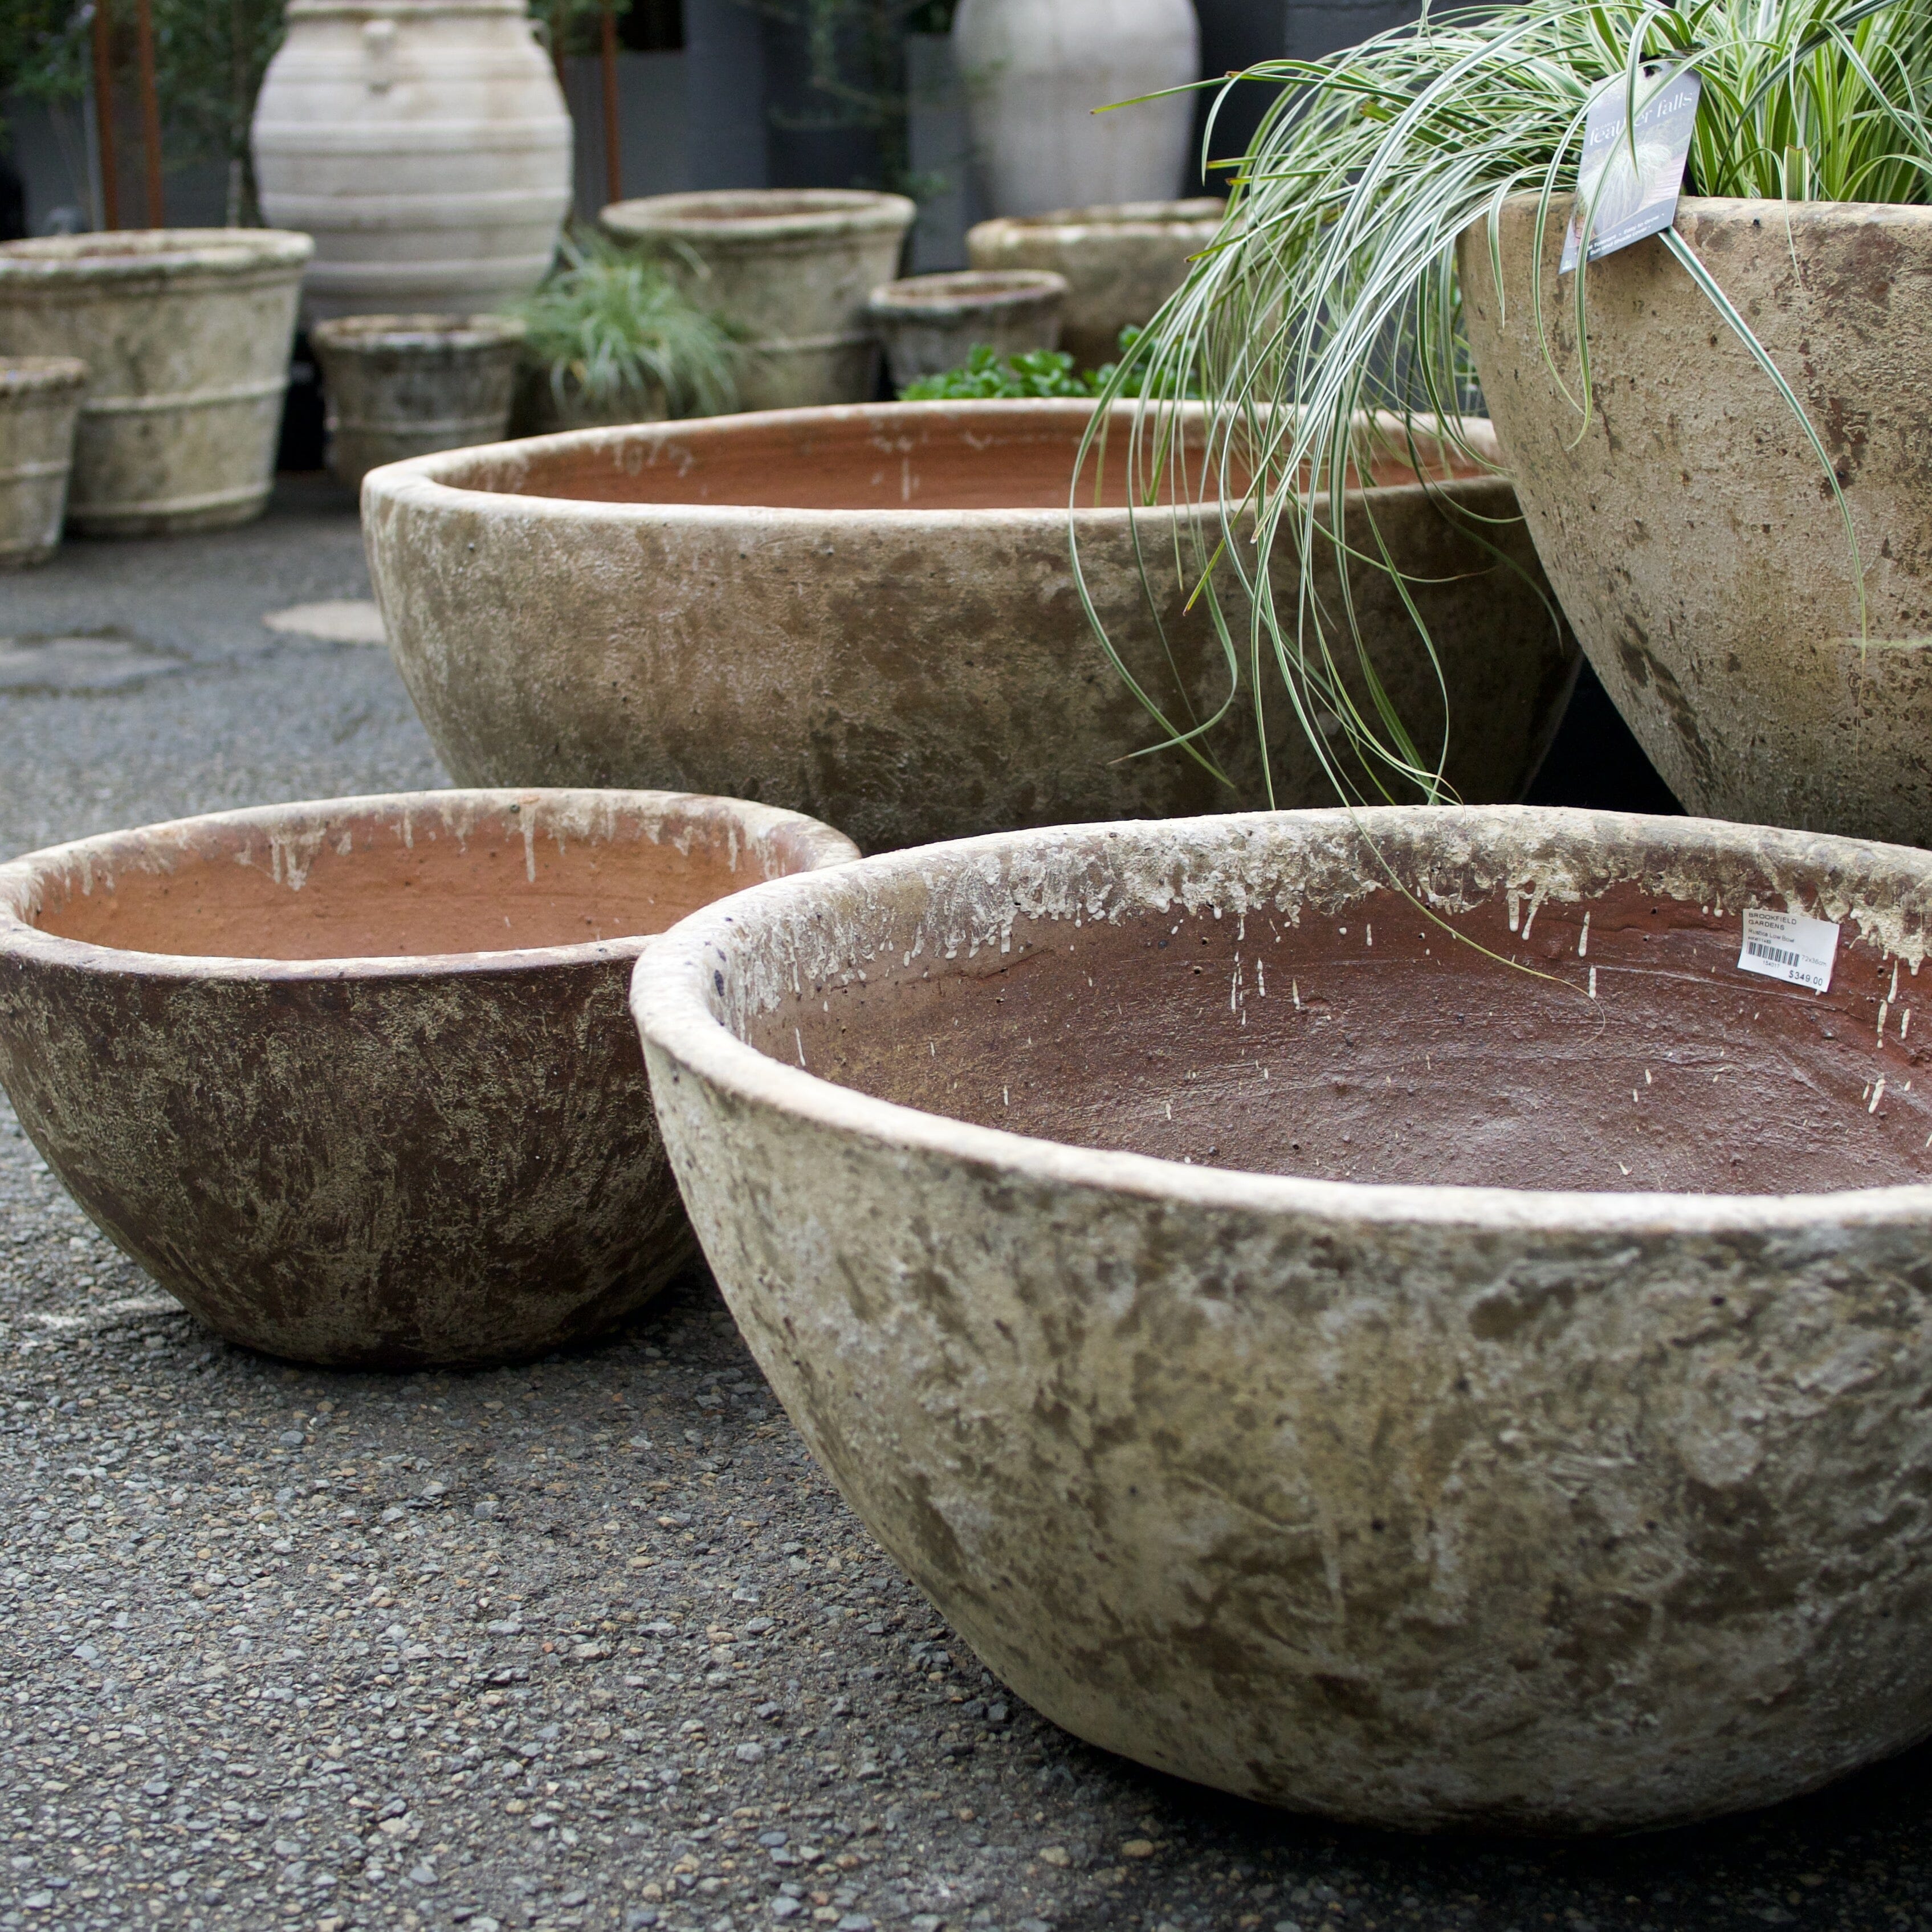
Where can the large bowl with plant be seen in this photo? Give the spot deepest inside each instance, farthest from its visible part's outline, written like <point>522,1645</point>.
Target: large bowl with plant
<point>1376,1311</point>
<point>871,614</point>
<point>1718,434</point>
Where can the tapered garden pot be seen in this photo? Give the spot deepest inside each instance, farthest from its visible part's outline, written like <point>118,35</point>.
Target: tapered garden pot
<point>1430,1383</point>
<point>39,404</point>
<point>185,333</point>
<point>871,615</point>
<point>1689,529</point>
<point>337,1075</point>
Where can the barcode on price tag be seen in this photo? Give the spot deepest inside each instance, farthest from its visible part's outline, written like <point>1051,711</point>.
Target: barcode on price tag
<point>1789,946</point>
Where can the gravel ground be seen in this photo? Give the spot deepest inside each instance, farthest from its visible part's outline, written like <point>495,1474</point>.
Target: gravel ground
<point>586,1643</point>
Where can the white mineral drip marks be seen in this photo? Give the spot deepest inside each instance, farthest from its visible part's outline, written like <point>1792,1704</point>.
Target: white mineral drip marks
<point>800,1038</point>
<point>1371,931</point>
<point>1261,981</point>
<point>1884,1009</point>
<point>1878,1094</point>
<point>1583,939</point>
<point>1294,987</point>
<point>529,816</point>
<point>1593,982</point>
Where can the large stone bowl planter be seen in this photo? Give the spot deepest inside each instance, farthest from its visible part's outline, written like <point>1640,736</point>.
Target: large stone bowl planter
<point>1310,1356</point>
<point>340,1076</point>
<point>871,615</point>
<point>186,333</point>
<point>403,385</point>
<point>790,269</point>
<point>39,404</point>
<point>1121,262</point>
<point>1690,531</point>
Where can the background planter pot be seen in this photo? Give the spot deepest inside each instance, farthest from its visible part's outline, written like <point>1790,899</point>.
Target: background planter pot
<point>186,333</point>
<point>870,614</point>
<point>1690,534</point>
<point>1121,262</point>
<point>928,324</point>
<point>281,1058</point>
<point>1036,70</point>
<point>1291,1471</point>
<point>791,269</point>
<point>402,385</point>
<point>39,404</point>
<point>423,143</point>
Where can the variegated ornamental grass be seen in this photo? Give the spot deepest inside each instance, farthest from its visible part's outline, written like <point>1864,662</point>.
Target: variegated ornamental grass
<point>1332,296</point>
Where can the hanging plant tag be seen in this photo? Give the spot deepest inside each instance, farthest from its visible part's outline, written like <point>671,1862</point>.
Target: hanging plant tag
<point>1632,181</point>
<point>1787,946</point>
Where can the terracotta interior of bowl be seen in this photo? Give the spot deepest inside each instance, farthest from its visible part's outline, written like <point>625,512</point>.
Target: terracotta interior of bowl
<point>375,886</point>
<point>1016,459</point>
<point>1372,1046</point>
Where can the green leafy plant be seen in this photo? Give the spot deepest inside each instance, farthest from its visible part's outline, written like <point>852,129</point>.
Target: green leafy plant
<point>987,376</point>
<point>612,330</point>
<point>1332,293</point>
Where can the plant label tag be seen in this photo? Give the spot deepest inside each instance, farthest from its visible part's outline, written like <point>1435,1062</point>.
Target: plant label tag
<point>1789,946</point>
<point>1631,179</point>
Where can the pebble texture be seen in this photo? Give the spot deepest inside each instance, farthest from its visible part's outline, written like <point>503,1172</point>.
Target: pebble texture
<point>138,1694</point>
<point>1689,529</point>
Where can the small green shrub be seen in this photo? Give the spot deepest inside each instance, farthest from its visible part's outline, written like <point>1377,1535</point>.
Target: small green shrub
<point>612,330</point>
<point>986,375</point>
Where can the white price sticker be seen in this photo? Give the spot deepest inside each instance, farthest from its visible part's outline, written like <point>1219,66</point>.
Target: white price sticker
<point>1789,946</point>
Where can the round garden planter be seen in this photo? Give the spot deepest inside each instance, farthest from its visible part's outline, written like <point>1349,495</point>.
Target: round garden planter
<point>928,324</point>
<point>1690,531</point>
<point>790,269</point>
<point>1036,73</point>
<point>339,1076</point>
<point>403,386</point>
<point>1310,1355</point>
<point>1121,262</point>
<point>871,615</point>
<point>186,333</point>
<point>39,404</point>
<point>423,143</point>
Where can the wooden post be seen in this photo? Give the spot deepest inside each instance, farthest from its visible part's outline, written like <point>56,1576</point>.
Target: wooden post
<point>151,111</point>
<point>613,158</point>
<point>103,114</point>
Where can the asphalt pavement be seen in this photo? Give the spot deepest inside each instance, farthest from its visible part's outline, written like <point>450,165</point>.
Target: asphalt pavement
<point>588,1643</point>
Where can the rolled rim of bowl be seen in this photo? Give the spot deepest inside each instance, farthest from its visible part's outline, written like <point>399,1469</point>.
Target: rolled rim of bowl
<point>20,879</point>
<point>1198,211</point>
<point>964,290</point>
<point>22,375</point>
<point>671,1000</point>
<point>425,482</point>
<point>355,334</point>
<point>131,255</point>
<point>729,216</point>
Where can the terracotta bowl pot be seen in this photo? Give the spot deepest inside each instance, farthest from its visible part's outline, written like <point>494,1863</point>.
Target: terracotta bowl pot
<point>340,1076</point>
<point>871,615</point>
<point>1427,1383</point>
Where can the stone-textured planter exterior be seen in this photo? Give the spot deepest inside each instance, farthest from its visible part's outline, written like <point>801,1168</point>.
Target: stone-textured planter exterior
<point>791,269</point>
<point>1121,262</point>
<point>186,333</point>
<point>1429,1505</point>
<point>39,404</point>
<point>279,1057</point>
<point>1691,533</point>
<point>403,386</point>
<point>871,615</point>
<point>928,324</point>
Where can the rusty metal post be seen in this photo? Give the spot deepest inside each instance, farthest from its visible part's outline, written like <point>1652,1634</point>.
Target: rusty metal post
<point>151,111</point>
<point>103,114</point>
<point>614,158</point>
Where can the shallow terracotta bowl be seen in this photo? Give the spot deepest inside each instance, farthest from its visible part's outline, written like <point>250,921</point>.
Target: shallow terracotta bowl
<point>354,1080</point>
<point>871,615</point>
<point>1382,1316</point>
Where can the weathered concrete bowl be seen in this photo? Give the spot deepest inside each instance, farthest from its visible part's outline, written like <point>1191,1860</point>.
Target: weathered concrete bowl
<point>1302,1352</point>
<point>871,615</point>
<point>341,1077</point>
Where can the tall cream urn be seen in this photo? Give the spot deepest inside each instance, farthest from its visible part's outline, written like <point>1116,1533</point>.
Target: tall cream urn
<point>424,144</point>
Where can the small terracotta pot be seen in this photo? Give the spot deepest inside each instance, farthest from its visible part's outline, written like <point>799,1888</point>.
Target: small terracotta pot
<point>928,324</point>
<point>1310,1355</point>
<point>403,386</point>
<point>339,1075</point>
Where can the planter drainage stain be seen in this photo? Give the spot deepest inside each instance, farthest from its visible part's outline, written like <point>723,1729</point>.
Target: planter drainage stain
<point>70,665</point>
